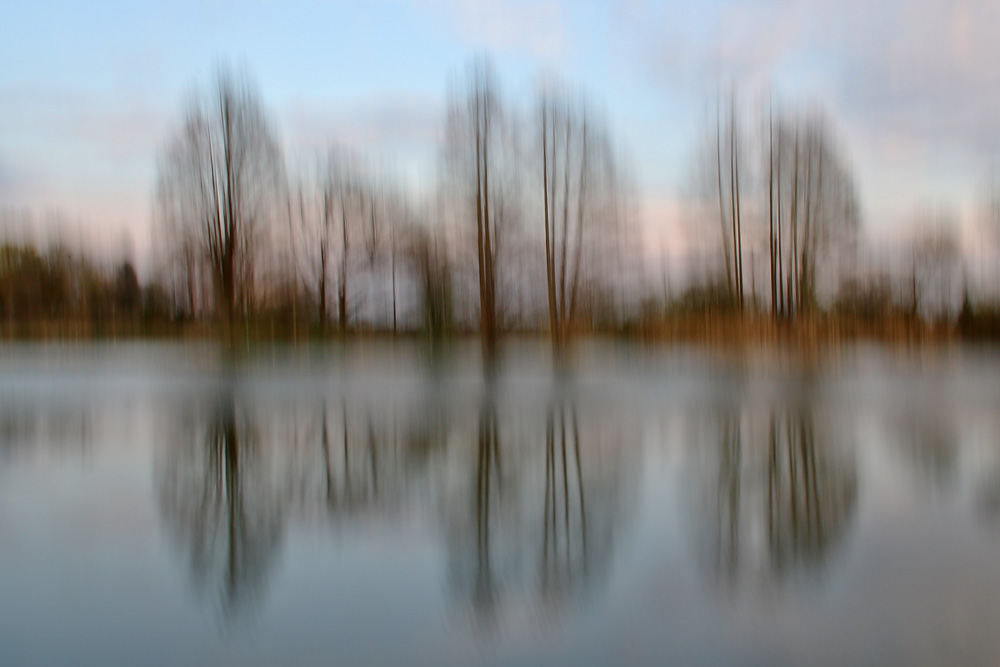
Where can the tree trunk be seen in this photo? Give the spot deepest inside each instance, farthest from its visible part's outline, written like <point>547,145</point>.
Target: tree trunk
<point>549,258</point>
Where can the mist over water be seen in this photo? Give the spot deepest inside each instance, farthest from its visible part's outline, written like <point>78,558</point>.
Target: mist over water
<point>160,504</point>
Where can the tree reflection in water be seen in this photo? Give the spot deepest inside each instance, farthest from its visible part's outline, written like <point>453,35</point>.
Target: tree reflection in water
<point>481,517</point>
<point>986,493</point>
<point>220,504</point>
<point>564,534</point>
<point>783,497</point>
<point>489,483</point>
<point>811,495</point>
<point>988,499</point>
<point>61,428</point>
<point>545,504</point>
<point>530,509</point>
<point>727,538</point>
<point>351,468</point>
<point>928,442</point>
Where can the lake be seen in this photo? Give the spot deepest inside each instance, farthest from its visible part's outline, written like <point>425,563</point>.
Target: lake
<point>368,504</point>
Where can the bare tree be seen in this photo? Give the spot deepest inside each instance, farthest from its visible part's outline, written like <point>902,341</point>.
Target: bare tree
<point>217,184</point>
<point>476,155</point>
<point>734,197</point>
<point>812,206</point>
<point>991,207</point>
<point>428,255</point>
<point>796,178</point>
<point>720,164</point>
<point>387,213</point>
<point>580,194</point>
<point>934,260</point>
<point>310,216</point>
<point>343,208</point>
<point>345,219</point>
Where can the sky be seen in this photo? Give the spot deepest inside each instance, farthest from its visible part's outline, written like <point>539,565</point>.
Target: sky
<point>91,92</point>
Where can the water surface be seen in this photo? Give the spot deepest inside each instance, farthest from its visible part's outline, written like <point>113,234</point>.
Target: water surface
<point>366,505</point>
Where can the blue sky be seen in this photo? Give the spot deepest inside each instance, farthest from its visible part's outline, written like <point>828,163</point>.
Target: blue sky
<point>90,91</point>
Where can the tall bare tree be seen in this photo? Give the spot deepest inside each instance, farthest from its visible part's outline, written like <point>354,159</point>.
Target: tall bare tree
<point>476,155</point>
<point>217,184</point>
<point>311,228</point>
<point>812,206</point>
<point>722,152</point>
<point>580,195</point>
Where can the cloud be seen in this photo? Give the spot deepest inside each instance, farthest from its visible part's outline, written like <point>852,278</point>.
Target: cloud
<point>118,128</point>
<point>912,85</point>
<point>17,183</point>
<point>401,134</point>
<point>931,79</point>
<point>701,47</point>
<point>382,124</point>
<point>925,68</point>
<point>536,27</point>
<point>7,180</point>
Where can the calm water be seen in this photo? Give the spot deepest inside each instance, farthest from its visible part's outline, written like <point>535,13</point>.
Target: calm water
<point>367,506</point>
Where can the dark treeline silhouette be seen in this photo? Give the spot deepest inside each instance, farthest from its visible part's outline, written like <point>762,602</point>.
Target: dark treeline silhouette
<point>56,292</point>
<point>527,228</point>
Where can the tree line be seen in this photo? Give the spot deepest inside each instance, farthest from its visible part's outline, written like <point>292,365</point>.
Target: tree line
<point>523,200</point>
<point>529,227</point>
<point>60,292</point>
